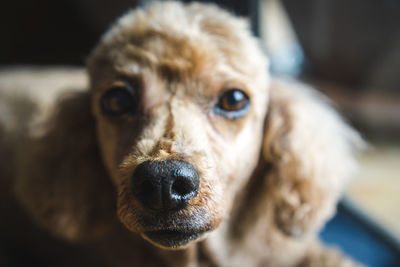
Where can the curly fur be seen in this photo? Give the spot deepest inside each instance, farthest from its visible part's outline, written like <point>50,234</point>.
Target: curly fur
<point>269,180</point>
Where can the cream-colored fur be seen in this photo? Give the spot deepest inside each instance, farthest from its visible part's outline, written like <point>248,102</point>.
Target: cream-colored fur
<point>269,179</point>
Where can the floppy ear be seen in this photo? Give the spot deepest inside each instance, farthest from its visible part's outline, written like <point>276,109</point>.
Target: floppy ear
<point>62,181</point>
<point>310,149</point>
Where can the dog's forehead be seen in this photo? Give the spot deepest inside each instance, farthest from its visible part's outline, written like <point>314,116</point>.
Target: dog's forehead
<point>177,40</point>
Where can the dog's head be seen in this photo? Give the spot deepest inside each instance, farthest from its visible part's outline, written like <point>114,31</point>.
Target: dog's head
<point>178,110</point>
<point>179,96</point>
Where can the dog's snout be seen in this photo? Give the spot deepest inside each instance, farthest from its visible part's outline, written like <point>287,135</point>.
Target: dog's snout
<point>165,185</point>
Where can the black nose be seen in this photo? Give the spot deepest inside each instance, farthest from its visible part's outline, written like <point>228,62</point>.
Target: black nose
<point>165,185</point>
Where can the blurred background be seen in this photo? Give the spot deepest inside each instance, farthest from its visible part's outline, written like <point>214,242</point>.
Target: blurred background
<point>350,50</point>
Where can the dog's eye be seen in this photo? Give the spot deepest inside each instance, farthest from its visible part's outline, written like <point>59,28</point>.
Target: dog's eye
<point>118,100</point>
<point>233,100</point>
<point>233,103</point>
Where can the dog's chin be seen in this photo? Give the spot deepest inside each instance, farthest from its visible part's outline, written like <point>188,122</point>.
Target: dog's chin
<point>169,230</point>
<point>172,239</point>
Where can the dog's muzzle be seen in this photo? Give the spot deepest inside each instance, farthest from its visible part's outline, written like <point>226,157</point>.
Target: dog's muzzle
<point>164,188</point>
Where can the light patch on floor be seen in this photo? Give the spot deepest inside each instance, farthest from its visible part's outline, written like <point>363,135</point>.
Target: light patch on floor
<point>377,187</point>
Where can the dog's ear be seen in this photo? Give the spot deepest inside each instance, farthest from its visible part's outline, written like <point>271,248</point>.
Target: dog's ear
<point>62,181</point>
<point>310,150</point>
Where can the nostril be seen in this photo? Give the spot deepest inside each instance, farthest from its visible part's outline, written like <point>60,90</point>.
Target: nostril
<point>147,188</point>
<point>182,187</point>
<point>148,192</point>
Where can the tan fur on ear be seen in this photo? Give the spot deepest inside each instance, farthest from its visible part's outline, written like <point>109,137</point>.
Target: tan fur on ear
<point>64,184</point>
<point>311,151</point>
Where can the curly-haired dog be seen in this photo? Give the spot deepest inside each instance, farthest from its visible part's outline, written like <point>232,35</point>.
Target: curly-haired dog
<point>181,153</point>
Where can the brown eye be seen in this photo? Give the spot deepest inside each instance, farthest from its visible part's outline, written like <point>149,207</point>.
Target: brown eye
<point>233,103</point>
<point>118,100</point>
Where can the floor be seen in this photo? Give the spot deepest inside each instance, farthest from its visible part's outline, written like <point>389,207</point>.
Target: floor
<point>376,189</point>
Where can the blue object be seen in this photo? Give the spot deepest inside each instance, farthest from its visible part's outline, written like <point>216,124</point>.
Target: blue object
<point>361,238</point>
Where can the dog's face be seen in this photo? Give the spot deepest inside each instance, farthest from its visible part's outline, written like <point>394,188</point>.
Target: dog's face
<point>179,96</point>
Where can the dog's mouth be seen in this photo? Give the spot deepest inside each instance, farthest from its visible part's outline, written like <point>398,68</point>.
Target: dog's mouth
<point>173,238</point>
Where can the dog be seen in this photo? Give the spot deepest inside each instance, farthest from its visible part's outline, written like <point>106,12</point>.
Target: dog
<point>182,151</point>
